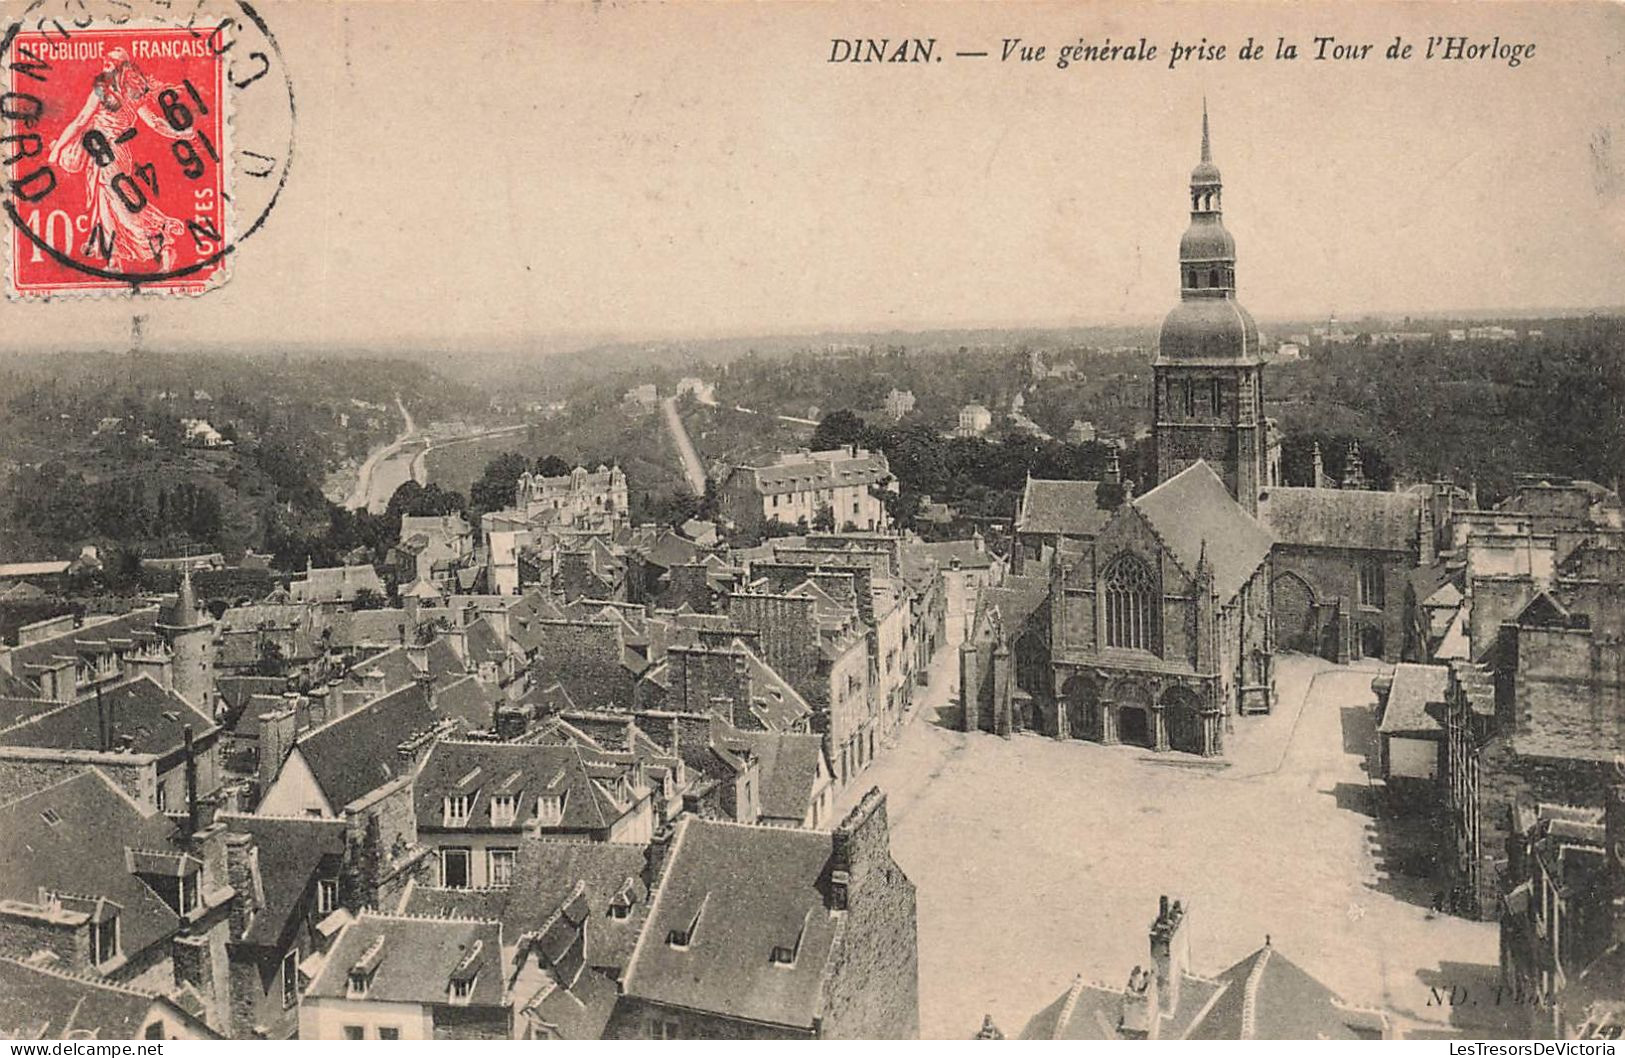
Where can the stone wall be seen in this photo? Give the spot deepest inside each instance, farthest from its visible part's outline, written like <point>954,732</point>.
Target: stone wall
<point>872,984</point>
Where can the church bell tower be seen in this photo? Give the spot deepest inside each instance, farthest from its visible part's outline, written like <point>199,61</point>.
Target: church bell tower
<point>1208,390</point>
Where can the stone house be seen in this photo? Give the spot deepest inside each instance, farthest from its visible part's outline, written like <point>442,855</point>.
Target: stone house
<point>776,933</point>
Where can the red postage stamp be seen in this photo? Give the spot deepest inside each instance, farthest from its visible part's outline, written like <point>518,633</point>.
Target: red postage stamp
<point>117,140</point>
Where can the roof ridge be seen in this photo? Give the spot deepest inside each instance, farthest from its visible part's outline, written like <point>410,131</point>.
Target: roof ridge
<point>70,777</point>
<point>407,916</point>
<point>1069,1007</point>
<point>277,818</point>
<point>71,975</point>
<point>1249,994</point>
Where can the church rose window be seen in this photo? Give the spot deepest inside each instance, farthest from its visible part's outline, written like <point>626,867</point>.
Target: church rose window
<point>1131,604</point>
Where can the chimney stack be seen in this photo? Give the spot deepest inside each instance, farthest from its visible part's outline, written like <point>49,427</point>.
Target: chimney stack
<point>191,780</point>
<point>1170,951</point>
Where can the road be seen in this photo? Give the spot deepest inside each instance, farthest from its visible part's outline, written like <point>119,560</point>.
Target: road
<point>693,469</point>
<point>366,492</point>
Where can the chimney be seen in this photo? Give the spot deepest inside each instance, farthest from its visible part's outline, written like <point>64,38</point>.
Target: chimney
<point>425,682</point>
<point>510,721</point>
<point>1614,835</point>
<point>1139,1018</point>
<point>1170,952</point>
<point>276,738</point>
<point>243,871</point>
<point>859,847</point>
<point>191,780</point>
<point>104,731</point>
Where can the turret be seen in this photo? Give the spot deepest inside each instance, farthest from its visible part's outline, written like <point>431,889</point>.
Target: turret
<point>189,631</point>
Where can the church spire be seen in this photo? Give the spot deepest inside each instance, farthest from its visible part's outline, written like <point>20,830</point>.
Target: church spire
<point>1207,147</point>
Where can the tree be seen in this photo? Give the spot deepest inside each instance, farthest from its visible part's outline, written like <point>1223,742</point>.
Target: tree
<point>839,429</point>
<point>495,488</point>
<point>271,660</point>
<point>367,599</point>
<point>551,466</point>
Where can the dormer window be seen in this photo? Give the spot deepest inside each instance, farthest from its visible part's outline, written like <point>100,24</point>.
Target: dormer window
<point>504,807</point>
<point>681,938</point>
<point>462,990</point>
<point>783,956</point>
<point>457,809</point>
<point>550,810</point>
<point>104,940</point>
<point>358,983</point>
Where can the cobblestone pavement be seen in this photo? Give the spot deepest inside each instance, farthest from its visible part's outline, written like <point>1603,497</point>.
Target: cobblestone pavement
<point>1038,860</point>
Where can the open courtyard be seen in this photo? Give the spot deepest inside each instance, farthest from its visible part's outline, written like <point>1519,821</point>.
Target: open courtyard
<point>1038,860</point>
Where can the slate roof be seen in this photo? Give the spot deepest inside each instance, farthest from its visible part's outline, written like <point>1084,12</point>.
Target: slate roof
<point>355,754</point>
<point>1193,510</point>
<point>416,961</point>
<point>1414,687</point>
<point>137,624</point>
<point>789,766</point>
<point>527,771</point>
<point>742,891</point>
<point>580,1012</point>
<point>335,584</point>
<point>834,468</point>
<point>56,856</point>
<point>1092,1011</point>
<point>368,628</point>
<point>970,556</point>
<point>1269,997</point>
<point>1017,598</point>
<point>1351,518</point>
<point>545,874</point>
<point>236,691</point>
<point>1066,508</point>
<point>44,1004</point>
<point>399,671</point>
<point>293,853</point>
<point>152,718</point>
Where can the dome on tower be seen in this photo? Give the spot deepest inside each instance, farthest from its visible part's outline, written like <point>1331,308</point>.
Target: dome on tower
<point>1208,329</point>
<point>1207,242</point>
<point>1205,173</point>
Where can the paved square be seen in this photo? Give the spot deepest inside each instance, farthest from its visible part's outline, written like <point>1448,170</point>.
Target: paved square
<point>1038,860</point>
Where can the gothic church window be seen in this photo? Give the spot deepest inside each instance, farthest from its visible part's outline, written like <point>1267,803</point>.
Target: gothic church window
<point>1131,604</point>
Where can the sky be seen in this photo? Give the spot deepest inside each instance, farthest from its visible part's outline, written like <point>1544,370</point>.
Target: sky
<point>516,176</point>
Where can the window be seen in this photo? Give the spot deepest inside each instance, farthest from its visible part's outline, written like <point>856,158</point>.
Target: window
<point>155,1031</point>
<point>388,1032</point>
<point>327,895</point>
<point>503,809</point>
<point>1217,396</point>
<point>290,977</point>
<point>550,810</point>
<point>620,909</point>
<point>461,989</point>
<point>499,866</point>
<point>454,868</point>
<point>456,809</point>
<point>1131,604</point>
<point>354,1032</point>
<point>104,940</point>
<point>1188,397</point>
<point>664,1029</point>
<point>784,956</point>
<point>356,986</point>
<point>1372,591</point>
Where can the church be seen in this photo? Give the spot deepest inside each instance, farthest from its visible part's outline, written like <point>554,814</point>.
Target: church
<point>1153,618</point>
